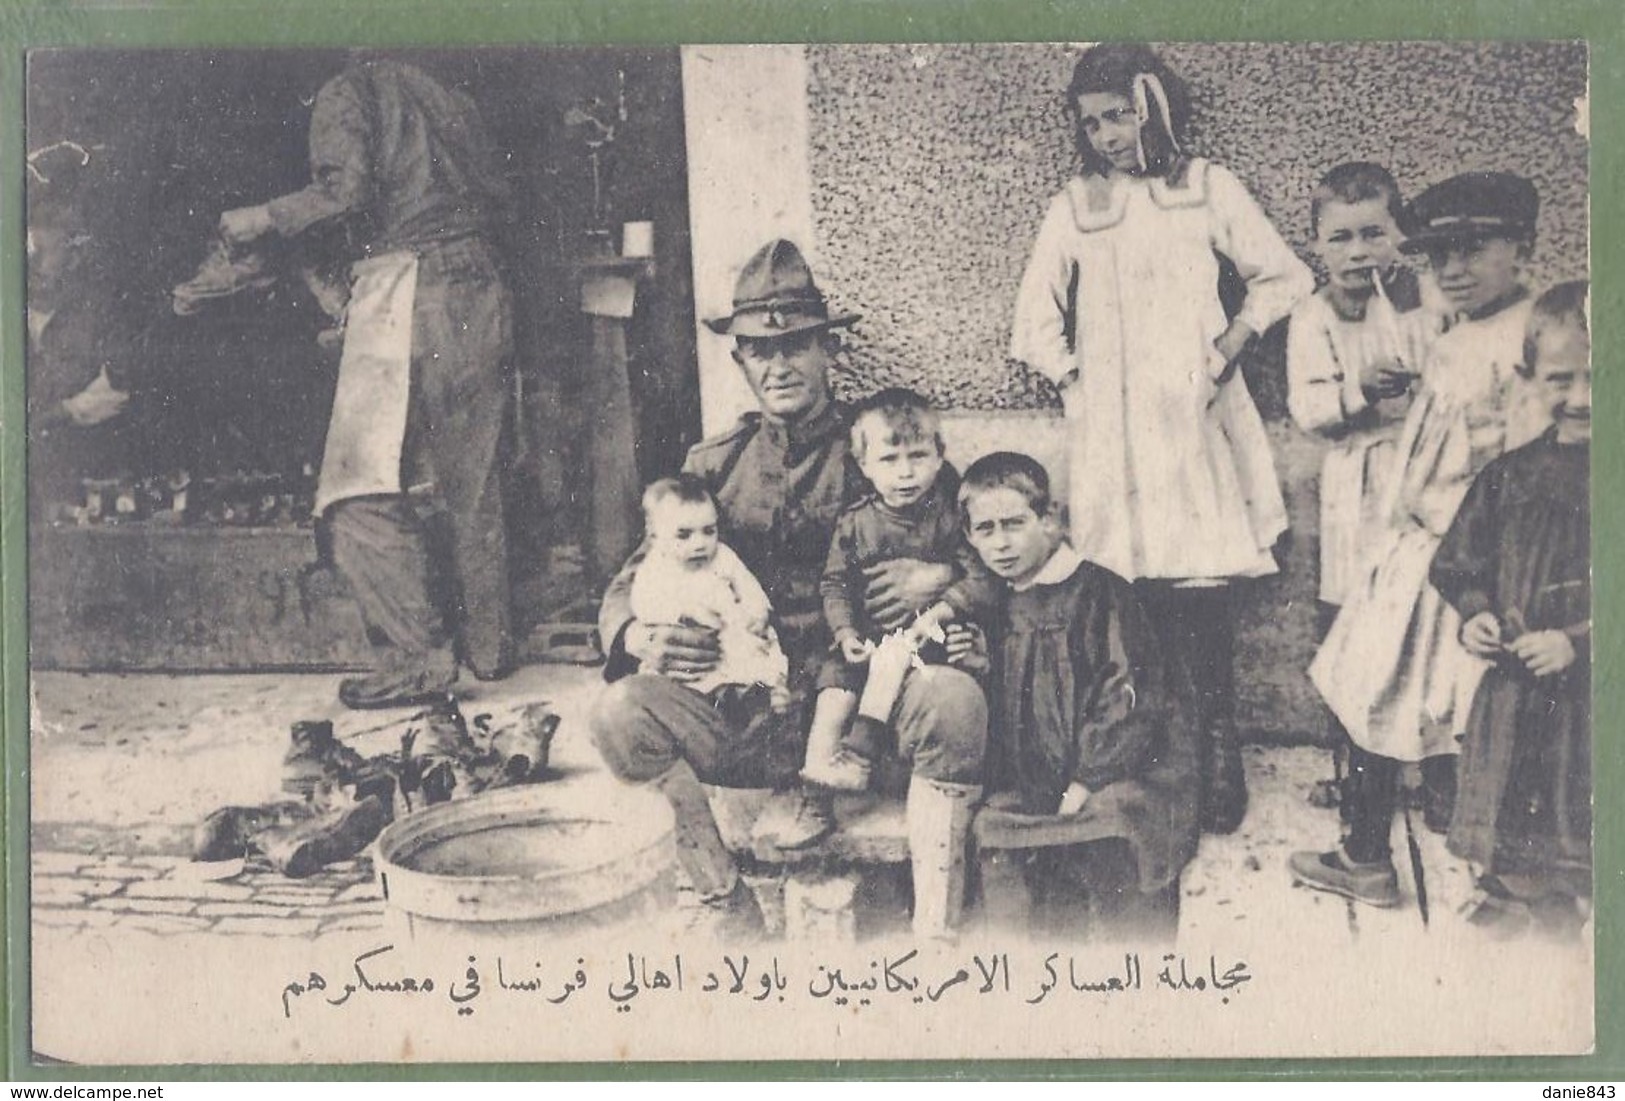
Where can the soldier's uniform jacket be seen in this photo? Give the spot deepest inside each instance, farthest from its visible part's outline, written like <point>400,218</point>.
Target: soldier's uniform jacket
<point>779,491</point>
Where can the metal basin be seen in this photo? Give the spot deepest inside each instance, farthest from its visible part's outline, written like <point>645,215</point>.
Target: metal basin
<point>535,859</point>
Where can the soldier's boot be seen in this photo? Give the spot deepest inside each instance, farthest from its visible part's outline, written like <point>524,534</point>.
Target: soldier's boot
<point>732,911</point>
<point>938,816</point>
<point>338,833</point>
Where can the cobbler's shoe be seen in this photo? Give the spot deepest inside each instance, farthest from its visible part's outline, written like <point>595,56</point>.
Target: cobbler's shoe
<point>522,749</point>
<point>316,761</point>
<point>228,833</point>
<point>331,836</point>
<point>225,271</point>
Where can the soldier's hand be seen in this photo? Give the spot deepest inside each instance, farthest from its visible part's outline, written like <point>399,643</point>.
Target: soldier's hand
<point>683,652</point>
<point>967,648</point>
<point>897,588</point>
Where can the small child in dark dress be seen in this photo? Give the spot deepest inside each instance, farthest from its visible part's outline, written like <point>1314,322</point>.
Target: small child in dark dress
<point>1094,722</point>
<point>1516,565</point>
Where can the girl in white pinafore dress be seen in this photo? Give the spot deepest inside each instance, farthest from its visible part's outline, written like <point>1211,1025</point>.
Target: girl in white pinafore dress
<point>1172,484</point>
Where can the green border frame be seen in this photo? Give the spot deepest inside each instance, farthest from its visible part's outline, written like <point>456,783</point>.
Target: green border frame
<point>30,23</point>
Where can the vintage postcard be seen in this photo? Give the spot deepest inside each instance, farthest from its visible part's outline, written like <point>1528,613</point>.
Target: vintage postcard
<point>1054,550</point>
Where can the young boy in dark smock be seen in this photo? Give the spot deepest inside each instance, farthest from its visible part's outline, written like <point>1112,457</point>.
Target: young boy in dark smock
<point>1094,751</point>
<point>1516,565</point>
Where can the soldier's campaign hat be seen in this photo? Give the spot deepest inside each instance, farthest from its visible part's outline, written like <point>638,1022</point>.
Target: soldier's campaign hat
<point>776,296</point>
<point>1472,206</point>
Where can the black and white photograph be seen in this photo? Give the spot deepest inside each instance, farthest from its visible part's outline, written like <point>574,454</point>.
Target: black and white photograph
<point>557,554</point>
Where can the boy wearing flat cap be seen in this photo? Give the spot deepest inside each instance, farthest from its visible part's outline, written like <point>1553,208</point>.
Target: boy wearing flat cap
<point>1392,668</point>
<point>781,478</point>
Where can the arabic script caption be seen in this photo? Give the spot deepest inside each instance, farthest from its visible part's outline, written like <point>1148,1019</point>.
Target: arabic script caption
<point>636,979</point>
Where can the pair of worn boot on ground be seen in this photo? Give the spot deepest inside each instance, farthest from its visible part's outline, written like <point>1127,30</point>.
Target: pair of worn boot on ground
<point>338,804</point>
<point>338,801</point>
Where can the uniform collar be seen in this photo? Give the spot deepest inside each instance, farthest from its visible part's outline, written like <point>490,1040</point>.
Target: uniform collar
<point>802,434</point>
<point>1061,565</point>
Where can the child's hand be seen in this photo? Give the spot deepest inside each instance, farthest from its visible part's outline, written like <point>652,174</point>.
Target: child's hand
<point>779,699</point>
<point>967,648</point>
<point>1230,344</point>
<point>1073,798</point>
<point>855,650</point>
<point>1384,378</point>
<point>1481,635</point>
<point>1543,653</point>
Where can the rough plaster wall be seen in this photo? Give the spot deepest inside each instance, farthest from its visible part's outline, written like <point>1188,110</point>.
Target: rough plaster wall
<point>931,166</point>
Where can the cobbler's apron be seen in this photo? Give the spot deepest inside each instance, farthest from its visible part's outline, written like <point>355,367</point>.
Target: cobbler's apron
<point>367,431</point>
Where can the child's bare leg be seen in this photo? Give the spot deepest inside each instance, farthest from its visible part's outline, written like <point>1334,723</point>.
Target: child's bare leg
<point>832,714</point>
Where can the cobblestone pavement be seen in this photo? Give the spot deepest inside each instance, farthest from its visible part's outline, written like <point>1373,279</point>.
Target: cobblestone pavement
<point>154,894</point>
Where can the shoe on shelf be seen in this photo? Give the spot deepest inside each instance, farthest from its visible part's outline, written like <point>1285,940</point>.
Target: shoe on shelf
<point>1375,884</point>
